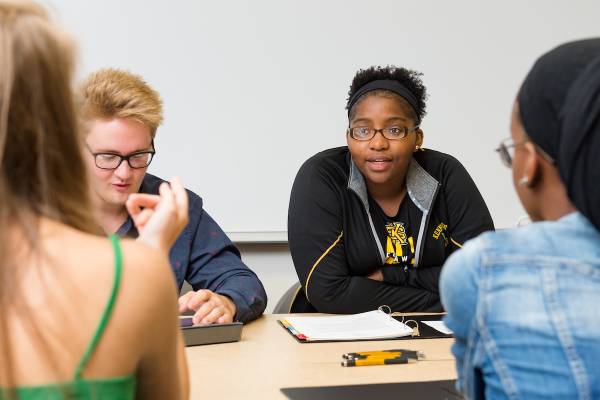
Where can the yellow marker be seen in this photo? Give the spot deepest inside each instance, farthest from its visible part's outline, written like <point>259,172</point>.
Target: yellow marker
<point>378,361</point>
<point>384,354</point>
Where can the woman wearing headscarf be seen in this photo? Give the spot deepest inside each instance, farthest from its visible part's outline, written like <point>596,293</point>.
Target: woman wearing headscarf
<point>523,303</point>
<point>372,223</point>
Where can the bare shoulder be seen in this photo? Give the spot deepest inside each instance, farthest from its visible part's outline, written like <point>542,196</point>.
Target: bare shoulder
<point>150,266</point>
<point>148,287</point>
<point>84,270</point>
<point>137,257</point>
<point>143,258</point>
<point>147,293</point>
<point>144,268</point>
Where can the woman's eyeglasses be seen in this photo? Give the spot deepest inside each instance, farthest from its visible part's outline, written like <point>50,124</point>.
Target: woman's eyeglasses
<point>364,133</point>
<point>506,150</point>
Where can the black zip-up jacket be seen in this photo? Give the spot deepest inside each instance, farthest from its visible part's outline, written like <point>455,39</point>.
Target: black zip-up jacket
<point>334,244</point>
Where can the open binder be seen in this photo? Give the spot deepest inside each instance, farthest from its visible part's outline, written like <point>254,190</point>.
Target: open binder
<point>372,325</point>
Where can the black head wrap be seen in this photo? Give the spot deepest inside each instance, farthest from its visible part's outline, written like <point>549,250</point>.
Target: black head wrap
<point>559,105</point>
<point>389,85</point>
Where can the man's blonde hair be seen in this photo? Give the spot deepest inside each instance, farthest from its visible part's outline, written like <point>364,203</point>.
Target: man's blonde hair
<point>115,93</point>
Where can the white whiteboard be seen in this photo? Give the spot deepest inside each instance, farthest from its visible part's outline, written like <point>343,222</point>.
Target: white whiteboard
<point>253,88</point>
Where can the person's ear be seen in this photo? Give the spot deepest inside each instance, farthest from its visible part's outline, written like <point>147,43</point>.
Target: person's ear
<point>418,139</point>
<point>348,136</point>
<point>531,166</point>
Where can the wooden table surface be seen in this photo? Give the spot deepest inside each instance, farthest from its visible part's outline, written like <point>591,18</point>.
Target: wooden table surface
<point>269,358</point>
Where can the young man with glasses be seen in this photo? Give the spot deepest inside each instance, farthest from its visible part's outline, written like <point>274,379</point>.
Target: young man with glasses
<point>121,114</point>
<point>372,223</point>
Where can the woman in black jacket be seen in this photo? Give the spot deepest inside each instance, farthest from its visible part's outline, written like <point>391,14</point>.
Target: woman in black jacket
<point>371,224</point>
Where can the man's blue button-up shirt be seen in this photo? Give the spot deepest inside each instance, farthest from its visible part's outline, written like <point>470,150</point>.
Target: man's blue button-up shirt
<point>204,256</point>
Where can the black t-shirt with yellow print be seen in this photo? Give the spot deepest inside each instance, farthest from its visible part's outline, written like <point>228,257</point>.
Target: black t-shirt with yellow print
<point>396,233</point>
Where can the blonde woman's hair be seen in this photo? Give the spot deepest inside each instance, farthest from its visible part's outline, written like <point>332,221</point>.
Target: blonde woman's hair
<point>114,93</point>
<point>42,170</point>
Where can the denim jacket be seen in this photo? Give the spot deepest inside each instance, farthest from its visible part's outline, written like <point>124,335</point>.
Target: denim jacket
<point>524,305</point>
<point>204,256</point>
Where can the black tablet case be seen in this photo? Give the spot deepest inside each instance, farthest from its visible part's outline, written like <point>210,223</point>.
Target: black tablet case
<point>210,334</point>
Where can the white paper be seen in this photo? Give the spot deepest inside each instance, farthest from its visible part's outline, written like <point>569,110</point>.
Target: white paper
<point>370,325</point>
<point>438,326</point>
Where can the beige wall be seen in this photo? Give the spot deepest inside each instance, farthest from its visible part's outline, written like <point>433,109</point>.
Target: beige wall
<point>273,265</point>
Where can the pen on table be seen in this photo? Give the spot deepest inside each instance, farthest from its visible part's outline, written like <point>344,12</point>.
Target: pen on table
<point>384,353</point>
<point>378,361</point>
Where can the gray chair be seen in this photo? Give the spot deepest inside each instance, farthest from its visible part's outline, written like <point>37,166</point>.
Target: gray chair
<point>284,305</point>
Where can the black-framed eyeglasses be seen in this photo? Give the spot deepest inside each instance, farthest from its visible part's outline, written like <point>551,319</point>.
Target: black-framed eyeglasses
<point>506,151</point>
<point>364,133</point>
<point>136,160</point>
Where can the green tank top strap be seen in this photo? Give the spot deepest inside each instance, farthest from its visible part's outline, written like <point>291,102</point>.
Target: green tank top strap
<point>107,310</point>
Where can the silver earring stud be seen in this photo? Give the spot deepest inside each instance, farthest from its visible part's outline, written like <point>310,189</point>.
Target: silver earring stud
<point>524,181</point>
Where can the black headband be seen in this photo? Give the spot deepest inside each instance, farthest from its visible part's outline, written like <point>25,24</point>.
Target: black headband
<point>390,85</point>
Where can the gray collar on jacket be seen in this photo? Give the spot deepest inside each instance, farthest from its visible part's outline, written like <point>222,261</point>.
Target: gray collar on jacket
<point>420,186</point>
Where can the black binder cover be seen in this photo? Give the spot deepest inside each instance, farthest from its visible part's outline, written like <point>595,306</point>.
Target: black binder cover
<point>408,390</point>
